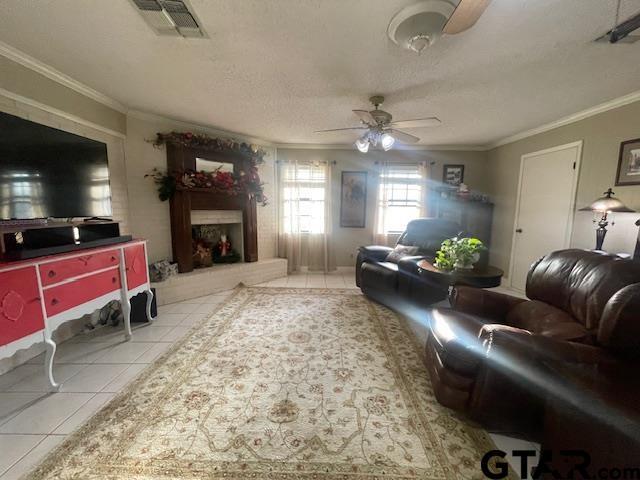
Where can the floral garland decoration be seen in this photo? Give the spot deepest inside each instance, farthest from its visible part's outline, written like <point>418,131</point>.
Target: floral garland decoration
<point>245,182</point>
<point>199,140</point>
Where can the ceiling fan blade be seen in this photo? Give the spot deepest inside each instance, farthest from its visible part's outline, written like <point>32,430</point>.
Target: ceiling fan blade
<point>465,16</point>
<point>365,116</point>
<point>417,123</point>
<point>340,129</point>
<point>403,137</point>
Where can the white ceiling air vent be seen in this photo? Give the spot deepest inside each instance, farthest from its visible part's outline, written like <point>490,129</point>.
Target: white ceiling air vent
<point>418,26</point>
<point>169,17</point>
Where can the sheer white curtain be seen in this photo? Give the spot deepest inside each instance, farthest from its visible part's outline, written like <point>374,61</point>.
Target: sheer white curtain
<point>305,216</point>
<point>402,197</point>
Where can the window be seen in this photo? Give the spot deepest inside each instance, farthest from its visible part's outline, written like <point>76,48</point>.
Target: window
<point>401,197</point>
<point>303,196</point>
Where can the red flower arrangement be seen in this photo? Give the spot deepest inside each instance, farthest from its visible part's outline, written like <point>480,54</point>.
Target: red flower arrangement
<point>216,181</point>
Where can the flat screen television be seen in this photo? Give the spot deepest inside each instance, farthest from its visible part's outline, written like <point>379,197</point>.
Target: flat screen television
<point>45,172</point>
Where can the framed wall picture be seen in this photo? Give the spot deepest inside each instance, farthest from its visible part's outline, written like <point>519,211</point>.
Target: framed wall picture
<point>453,175</point>
<point>629,163</point>
<point>353,199</point>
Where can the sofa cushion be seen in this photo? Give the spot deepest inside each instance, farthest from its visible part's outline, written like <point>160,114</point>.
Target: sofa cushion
<point>543,319</point>
<point>401,251</point>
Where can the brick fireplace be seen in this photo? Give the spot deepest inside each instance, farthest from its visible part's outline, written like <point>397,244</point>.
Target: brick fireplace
<point>200,206</point>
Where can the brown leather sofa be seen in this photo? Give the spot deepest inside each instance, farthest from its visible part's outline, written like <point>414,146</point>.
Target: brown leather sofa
<point>503,359</point>
<point>594,409</point>
<point>392,283</point>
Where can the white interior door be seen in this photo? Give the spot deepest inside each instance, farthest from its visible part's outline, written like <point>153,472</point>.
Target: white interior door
<point>545,207</point>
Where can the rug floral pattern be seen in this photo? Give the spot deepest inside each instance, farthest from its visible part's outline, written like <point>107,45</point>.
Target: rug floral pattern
<point>283,384</point>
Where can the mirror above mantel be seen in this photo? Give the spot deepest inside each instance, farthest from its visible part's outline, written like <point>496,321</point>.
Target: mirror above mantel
<point>205,165</point>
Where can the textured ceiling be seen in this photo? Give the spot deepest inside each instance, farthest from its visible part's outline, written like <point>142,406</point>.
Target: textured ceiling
<point>280,69</point>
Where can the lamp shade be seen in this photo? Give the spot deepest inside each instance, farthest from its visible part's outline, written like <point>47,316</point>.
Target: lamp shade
<point>607,204</point>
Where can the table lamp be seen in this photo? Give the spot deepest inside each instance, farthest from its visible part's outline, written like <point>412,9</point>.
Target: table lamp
<point>602,207</point>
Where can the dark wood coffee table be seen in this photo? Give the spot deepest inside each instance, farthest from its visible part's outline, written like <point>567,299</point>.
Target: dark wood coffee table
<point>487,277</point>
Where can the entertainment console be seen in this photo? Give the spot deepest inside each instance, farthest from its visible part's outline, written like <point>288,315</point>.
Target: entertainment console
<point>38,295</point>
<point>24,241</point>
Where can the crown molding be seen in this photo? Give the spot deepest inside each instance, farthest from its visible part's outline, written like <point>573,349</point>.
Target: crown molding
<point>154,117</point>
<point>51,73</point>
<point>576,117</point>
<point>59,113</point>
<point>350,146</point>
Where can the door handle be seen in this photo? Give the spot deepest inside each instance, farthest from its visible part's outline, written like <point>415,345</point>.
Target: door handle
<point>518,230</point>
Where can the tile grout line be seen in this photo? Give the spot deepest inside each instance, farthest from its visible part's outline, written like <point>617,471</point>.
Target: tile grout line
<point>26,453</point>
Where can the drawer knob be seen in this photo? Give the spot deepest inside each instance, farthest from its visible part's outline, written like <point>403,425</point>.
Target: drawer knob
<point>113,280</point>
<point>54,301</point>
<point>113,258</point>
<point>51,274</point>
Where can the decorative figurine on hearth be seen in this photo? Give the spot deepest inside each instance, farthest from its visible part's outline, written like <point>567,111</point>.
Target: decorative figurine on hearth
<point>224,246</point>
<point>202,254</point>
<point>223,253</point>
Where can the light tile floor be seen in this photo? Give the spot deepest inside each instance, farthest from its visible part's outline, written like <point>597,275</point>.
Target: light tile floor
<point>96,366</point>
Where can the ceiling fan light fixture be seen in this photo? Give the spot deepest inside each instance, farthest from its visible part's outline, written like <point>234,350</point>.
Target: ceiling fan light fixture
<point>387,141</point>
<point>418,26</point>
<point>362,144</point>
<point>419,42</point>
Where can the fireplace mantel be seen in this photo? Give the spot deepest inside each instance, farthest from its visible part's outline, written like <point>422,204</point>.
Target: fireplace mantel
<point>184,201</point>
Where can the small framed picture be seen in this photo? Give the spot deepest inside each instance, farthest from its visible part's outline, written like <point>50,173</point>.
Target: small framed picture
<point>453,175</point>
<point>353,199</point>
<point>629,163</point>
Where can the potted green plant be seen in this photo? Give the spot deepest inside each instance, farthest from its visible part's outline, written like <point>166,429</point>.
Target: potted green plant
<point>458,253</point>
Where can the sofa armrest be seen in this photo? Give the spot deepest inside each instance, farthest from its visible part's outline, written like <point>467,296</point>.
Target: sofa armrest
<point>619,328</point>
<point>410,264</point>
<point>518,347</point>
<point>484,303</point>
<point>520,372</point>
<point>375,253</point>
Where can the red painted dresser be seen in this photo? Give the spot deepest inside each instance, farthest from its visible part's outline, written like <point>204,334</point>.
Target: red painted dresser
<point>38,295</point>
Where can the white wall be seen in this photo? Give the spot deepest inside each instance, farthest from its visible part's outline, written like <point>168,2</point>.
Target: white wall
<point>601,136</point>
<point>149,215</point>
<point>347,240</point>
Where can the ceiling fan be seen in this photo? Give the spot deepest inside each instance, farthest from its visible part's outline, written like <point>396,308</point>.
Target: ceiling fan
<point>465,16</point>
<point>379,128</point>
<point>419,25</point>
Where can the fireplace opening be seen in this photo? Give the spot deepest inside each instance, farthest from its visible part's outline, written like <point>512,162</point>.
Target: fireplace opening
<point>219,242</point>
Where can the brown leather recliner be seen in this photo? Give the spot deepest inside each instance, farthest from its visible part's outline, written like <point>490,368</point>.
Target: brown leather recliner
<point>493,355</point>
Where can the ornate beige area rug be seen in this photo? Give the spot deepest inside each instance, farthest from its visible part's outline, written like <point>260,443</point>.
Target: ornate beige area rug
<point>279,384</point>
